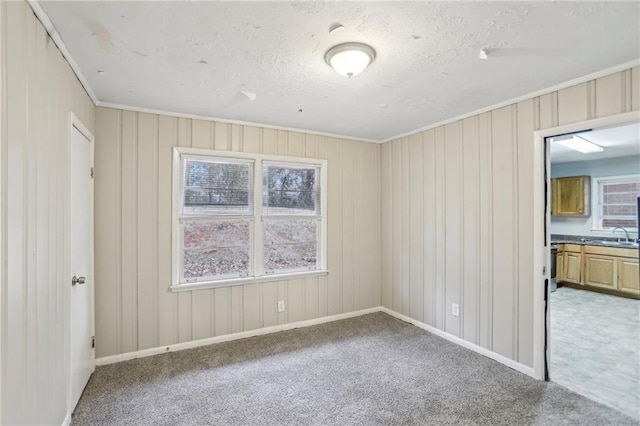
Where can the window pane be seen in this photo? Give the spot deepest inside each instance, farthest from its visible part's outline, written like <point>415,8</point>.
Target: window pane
<point>289,190</point>
<point>290,245</point>
<point>216,249</point>
<point>290,231</point>
<point>290,257</point>
<point>215,263</point>
<point>220,233</point>
<point>217,186</point>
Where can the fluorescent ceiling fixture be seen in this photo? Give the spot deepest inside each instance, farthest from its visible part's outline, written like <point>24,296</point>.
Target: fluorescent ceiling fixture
<point>580,144</point>
<point>349,59</point>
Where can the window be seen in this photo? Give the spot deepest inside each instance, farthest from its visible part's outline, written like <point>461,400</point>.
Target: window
<point>225,234</point>
<point>617,202</point>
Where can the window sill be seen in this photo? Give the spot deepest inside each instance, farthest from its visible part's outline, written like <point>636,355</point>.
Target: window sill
<point>243,281</point>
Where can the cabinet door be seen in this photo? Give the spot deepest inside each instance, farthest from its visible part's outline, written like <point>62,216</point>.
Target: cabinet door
<point>560,267</point>
<point>573,267</point>
<point>600,271</point>
<point>629,276</point>
<point>570,196</point>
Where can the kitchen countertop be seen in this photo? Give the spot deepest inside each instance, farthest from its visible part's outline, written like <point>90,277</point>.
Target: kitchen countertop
<point>592,241</point>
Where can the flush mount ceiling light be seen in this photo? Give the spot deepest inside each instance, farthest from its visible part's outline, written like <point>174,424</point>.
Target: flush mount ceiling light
<point>349,59</point>
<point>580,144</point>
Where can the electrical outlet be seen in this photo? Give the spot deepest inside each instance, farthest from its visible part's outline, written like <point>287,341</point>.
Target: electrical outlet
<point>281,306</point>
<point>455,310</point>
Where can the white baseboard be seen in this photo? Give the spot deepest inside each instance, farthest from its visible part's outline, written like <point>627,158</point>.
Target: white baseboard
<point>455,339</point>
<point>276,328</point>
<point>229,337</point>
<point>67,420</point>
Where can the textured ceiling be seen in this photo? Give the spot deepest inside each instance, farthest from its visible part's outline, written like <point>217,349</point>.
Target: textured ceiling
<point>198,57</point>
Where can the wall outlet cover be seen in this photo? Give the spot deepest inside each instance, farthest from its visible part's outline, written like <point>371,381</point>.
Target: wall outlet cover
<point>281,306</point>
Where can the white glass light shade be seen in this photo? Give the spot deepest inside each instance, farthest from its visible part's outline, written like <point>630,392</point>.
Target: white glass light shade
<point>581,145</point>
<point>349,59</point>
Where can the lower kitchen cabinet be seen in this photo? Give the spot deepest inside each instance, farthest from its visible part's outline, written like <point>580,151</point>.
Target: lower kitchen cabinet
<point>573,267</point>
<point>600,271</point>
<point>629,276</point>
<point>614,270</point>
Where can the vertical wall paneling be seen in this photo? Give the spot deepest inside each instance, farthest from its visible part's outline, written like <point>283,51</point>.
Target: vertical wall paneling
<point>167,304</point>
<point>387,219</point>
<point>526,125</point>
<point>237,307</point>
<point>477,231</point>
<point>38,91</point>
<point>416,224</point>
<point>348,255</point>
<point>222,311</point>
<point>147,235</point>
<point>503,235</point>
<point>270,304</point>
<point>470,231</point>
<point>429,227</point>
<point>573,104</point>
<point>129,233</point>
<point>108,314</point>
<point>396,226</point>
<point>334,232</point>
<point>404,218</point>
<point>453,224</point>
<point>138,155</point>
<point>15,332</point>
<point>548,110</point>
<point>296,299</point>
<point>440,234</point>
<point>486,230</point>
<point>252,306</point>
<point>611,94</point>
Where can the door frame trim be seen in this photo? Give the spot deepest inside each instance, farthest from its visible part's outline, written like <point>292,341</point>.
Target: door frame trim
<point>541,253</point>
<point>76,123</point>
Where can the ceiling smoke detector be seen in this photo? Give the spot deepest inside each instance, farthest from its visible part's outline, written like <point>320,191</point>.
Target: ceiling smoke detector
<point>350,59</point>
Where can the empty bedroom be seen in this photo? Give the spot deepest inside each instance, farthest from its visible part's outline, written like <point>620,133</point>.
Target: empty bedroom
<point>319,213</point>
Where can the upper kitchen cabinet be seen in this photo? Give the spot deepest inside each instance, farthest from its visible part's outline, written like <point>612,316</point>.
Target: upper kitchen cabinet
<point>570,196</point>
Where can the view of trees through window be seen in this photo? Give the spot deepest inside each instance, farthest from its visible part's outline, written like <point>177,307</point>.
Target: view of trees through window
<point>289,189</point>
<point>218,217</point>
<point>217,184</point>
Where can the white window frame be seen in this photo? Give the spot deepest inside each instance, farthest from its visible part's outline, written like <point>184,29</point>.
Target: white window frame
<point>257,273</point>
<point>596,197</point>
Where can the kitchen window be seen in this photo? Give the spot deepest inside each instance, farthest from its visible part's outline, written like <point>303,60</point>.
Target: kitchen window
<point>616,199</point>
<point>244,218</point>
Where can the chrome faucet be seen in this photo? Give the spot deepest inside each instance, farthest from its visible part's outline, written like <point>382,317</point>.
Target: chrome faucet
<point>625,233</point>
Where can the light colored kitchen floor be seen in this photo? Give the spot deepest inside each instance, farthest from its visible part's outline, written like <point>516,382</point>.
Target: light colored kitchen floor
<point>595,347</point>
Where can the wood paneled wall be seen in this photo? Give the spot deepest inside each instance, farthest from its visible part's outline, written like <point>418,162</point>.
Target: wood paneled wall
<point>38,90</point>
<point>135,309</point>
<point>457,214</point>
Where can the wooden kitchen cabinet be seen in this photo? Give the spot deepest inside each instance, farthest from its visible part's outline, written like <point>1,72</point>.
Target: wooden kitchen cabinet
<point>600,271</point>
<point>609,269</point>
<point>572,267</point>
<point>571,196</point>
<point>629,276</point>
<point>560,265</point>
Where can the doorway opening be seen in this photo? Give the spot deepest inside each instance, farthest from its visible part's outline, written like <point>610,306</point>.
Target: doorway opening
<point>592,289</point>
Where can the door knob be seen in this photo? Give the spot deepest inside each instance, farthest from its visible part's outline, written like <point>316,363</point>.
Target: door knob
<point>78,280</point>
